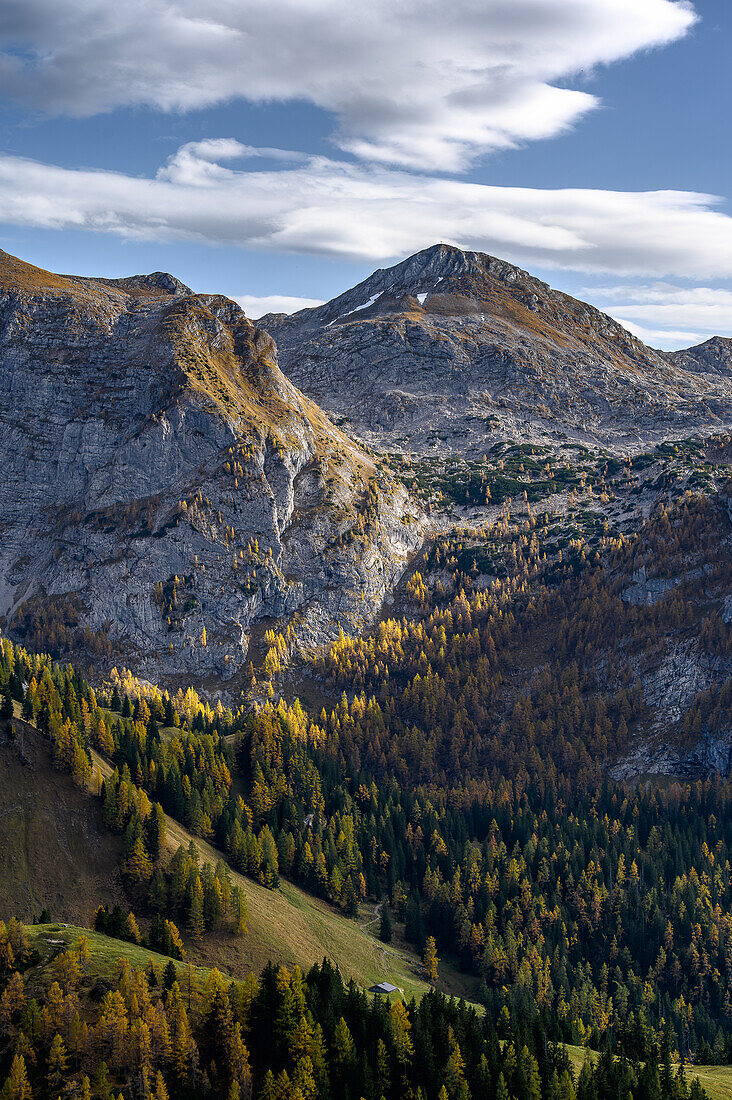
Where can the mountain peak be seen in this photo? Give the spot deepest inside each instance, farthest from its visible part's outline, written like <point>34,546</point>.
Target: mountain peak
<point>449,349</point>
<point>441,268</point>
<point>713,356</point>
<point>171,438</point>
<point>426,270</point>
<point>440,261</point>
<point>154,282</point>
<point>17,275</point>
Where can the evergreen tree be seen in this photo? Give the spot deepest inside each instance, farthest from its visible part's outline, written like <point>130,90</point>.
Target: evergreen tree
<point>196,925</point>
<point>241,916</point>
<point>17,1086</point>
<point>56,1064</point>
<point>430,959</point>
<point>268,848</point>
<point>137,865</point>
<point>6,706</point>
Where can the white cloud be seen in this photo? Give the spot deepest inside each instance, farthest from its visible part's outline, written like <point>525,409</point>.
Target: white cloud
<point>198,163</point>
<point>664,339</point>
<point>411,82</point>
<point>668,316</point>
<point>337,209</point>
<point>256,306</point>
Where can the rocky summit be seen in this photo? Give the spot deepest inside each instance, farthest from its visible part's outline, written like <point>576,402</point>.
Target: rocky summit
<point>166,490</point>
<point>449,347</point>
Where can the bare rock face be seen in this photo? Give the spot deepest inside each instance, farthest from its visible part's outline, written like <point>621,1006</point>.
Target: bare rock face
<point>450,349</point>
<point>166,488</point>
<point>714,356</point>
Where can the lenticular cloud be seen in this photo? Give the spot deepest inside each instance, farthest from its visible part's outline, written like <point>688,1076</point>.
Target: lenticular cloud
<point>337,209</point>
<point>423,84</point>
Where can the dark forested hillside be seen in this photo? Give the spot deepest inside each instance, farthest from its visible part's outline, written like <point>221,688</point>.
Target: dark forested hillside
<point>470,775</point>
<point>281,1036</point>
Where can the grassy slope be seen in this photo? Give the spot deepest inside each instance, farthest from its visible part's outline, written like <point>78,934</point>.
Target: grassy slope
<point>50,939</point>
<point>715,1080</point>
<point>289,926</point>
<point>54,849</point>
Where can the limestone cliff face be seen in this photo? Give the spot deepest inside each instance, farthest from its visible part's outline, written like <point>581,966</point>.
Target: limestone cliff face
<point>163,478</point>
<point>449,348</point>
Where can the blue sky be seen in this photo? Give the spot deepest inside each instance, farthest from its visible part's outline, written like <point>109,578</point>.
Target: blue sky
<point>283,150</point>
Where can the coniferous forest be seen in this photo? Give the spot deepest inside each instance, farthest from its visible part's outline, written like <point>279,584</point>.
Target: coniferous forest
<point>472,800</point>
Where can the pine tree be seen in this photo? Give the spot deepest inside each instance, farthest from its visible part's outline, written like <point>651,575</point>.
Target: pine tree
<point>196,925</point>
<point>56,1064</point>
<point>158,892</point>
<point>430,959</point>
<point>155,831</point>
<point>17,1086</point>
<point>401,1026</point>
<point>382,1068</point>
<point>343,1045</point>
<point>132,930</point>
<point>138,865</point>
<point>173,942</point>
<point>241,916</point>
<point>12,1000</point>
<point>528,1071</point>
<point>110,801</point>
<point>501,1090</point>
<point>6,707</point>
<point>269,1090</point>
<point>269,872</point>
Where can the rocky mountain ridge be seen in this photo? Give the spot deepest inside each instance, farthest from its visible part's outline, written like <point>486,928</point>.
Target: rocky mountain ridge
<point>170,495</point>
<point>167,489</point>
<point>714,356</point>
<point>449,347</point>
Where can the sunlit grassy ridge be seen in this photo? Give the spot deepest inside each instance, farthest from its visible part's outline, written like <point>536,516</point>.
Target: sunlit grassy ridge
<point>104,951</point>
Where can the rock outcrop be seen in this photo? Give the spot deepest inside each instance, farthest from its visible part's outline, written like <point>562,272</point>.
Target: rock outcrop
<point>166,489</point>
<point>714,356</point>
<point>450,349</point>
